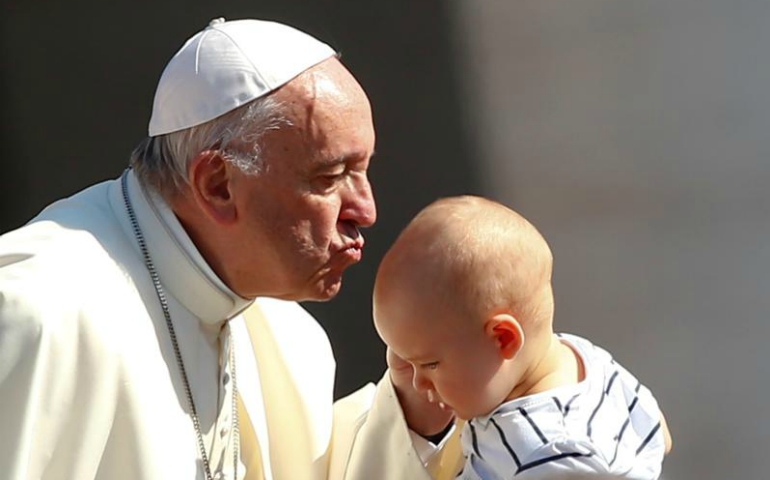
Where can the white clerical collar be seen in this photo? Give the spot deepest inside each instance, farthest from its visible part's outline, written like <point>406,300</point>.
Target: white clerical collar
<point>182,270</point>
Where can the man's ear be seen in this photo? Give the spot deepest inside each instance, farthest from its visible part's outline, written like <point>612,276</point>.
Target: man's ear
<point>210,178</point>
<point>507,334</point>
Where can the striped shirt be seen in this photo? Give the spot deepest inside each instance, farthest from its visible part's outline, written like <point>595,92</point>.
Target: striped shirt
<point>607,424</point>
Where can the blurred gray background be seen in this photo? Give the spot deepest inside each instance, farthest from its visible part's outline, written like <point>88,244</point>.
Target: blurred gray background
<point>633,134</point>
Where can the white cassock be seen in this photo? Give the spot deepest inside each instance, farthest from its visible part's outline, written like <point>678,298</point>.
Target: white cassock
<point>89,384</point>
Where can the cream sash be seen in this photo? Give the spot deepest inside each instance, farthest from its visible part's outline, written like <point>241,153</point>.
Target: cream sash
<point>249,446</point>
<point>447,463</point>
<point>287,422</point>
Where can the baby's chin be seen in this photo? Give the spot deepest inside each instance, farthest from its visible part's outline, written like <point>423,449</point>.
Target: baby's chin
<point>461,414</point>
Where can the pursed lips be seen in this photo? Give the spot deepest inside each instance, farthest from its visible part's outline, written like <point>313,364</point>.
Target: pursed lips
<point>353,239</point>
<point>351,251</point>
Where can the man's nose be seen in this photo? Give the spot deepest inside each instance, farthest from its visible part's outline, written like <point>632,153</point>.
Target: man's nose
<point>358,206</point>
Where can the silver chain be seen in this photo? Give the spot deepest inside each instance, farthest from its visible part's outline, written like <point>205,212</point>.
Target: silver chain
<point>234,407</point>
<point>177,352</point>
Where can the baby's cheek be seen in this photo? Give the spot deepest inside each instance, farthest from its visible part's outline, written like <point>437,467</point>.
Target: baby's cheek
<point>456,389</point>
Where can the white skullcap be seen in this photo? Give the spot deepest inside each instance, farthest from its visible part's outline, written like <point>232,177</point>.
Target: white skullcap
<point>227,65</point>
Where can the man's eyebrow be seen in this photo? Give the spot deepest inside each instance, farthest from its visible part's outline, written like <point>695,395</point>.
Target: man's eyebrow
<point>324,164</point>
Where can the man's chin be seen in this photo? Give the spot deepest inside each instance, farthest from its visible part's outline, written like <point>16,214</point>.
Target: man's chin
<point>329,291</point>
<point>322,292</point>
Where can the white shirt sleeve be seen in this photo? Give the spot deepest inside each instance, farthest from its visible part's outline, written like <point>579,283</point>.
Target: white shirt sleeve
<point>372,441</point>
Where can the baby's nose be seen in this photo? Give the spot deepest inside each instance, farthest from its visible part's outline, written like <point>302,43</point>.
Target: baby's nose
<point>422,384</point>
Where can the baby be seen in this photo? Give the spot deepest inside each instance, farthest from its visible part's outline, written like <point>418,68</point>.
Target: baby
<point>464,295</point>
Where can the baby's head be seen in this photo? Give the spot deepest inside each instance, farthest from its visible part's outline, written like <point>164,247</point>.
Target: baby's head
<point>464,294</point>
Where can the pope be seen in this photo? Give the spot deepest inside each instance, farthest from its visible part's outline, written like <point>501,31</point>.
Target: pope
<point>148,324</point>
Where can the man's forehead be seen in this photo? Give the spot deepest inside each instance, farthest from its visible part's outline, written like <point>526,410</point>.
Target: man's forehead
<point>329,78</point>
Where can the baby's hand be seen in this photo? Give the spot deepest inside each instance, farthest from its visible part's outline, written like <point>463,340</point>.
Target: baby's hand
<point>424,416</point>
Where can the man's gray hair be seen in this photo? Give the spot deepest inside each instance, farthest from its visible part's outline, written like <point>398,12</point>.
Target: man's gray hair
<point>162,162</point>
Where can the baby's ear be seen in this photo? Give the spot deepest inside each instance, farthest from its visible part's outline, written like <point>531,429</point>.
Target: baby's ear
<point>507,334</point>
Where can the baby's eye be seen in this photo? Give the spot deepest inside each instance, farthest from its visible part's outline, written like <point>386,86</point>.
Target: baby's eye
<point>430,366</point>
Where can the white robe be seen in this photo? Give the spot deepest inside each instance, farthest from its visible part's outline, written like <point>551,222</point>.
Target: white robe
<point>90,389</point>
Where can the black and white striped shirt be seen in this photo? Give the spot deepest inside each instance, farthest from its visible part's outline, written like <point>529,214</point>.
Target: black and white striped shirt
<point>607,424</point>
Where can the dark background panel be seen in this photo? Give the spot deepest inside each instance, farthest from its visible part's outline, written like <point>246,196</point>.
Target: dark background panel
<point>77,85</point>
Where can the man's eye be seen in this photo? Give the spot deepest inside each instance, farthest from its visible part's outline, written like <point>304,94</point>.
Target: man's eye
<point>328,181</point>
<point>330,178</point>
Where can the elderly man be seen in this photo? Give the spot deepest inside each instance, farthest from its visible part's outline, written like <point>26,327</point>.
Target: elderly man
<point>148,324</point>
